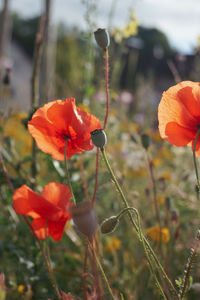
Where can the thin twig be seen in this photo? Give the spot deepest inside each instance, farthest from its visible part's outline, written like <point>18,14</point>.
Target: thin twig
<point>35,81</point>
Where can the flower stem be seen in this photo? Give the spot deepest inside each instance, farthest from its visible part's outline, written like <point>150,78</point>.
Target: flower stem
<point>106,86</point>
<point>96,176</point>
<point>195,161</point>
<point>187,272</point>
<point>152,178</point>
<point>102,271</point>
<point>39,41</point>
<point>67,173</point>
<point>159,266</point>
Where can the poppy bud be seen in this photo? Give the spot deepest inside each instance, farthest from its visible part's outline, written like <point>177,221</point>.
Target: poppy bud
<point>194,291</point>
<point>102,38</point>
<point>145,141</point>
<point>99,138</point>
<point>84,218</point>
<point>109,225</point>
<point>169,203</point>
<point>174,216</point>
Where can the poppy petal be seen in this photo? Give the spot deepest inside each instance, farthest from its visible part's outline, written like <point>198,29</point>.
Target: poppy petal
<point>51,124</point>
<point>178,135</point>
<point>27,202</point>
<point>172,110</point>
<point>40,228</point>
<point>188,94</point>
<point>47,138</point>
<point>56,229</point>
<point>43,228</point>
<point>21,203</point>
<point>58,194</point>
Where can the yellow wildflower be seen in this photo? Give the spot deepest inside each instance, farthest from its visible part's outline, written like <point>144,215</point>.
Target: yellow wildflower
<point>113,112</point>
<point>165,153</point>
<point>166,175</point>
<point>129,126</point>
<point>141,172</point>
<point>20,288</point>
<point>161,199</point>
<point>155,136</point>
<point>198,41</point>
<point>14,129</point>
<point>156,162</point>
<point>157,234</point>
<point>130,29</point>
<point>113,244</point>
<point>84,107</point>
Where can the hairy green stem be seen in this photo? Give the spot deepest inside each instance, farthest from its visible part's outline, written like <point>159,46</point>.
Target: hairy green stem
<point>159,266</point>
<point>106,86</point>
<point>101,270</point>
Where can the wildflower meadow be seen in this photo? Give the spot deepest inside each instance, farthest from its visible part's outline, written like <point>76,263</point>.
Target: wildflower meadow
<point>99,163</point>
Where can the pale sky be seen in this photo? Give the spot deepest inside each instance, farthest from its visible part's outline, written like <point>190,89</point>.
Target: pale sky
<point>178,19</point>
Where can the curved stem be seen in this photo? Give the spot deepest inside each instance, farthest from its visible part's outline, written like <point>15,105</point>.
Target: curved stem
<point>67,173</point>
<point>135,226</point>
<point>194,159</point>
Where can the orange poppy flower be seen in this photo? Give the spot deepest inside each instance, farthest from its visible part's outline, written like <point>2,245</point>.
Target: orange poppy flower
<point>50,211</point>
<point>59,120</point>
<point>179,114</point>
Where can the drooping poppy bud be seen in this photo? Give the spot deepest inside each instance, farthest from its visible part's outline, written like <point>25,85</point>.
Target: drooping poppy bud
<point>99,138</point>
<point>84,218</point>
<point>109,225</point>
<point>102,38</point>
<point>194,291</point>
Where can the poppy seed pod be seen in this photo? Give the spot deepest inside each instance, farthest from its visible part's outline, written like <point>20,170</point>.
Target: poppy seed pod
<point>99,138</point>
<point>84,218</point>
<point>102,38</point>
<point>109,225</point>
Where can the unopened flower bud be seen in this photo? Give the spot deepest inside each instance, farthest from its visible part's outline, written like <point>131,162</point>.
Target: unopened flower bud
<point>99,138</point>
<point>174,216</point>
<point>145,141</point>
<point>194,292</point>
<point>169,203</point>
<point>84,218</point>
<point>102,38</point>
<point>109,225</point>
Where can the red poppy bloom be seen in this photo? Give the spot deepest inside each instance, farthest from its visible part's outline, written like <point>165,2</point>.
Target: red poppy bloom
<point>50,211</point>
<point>179,114</point>
<point>59,120</point>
